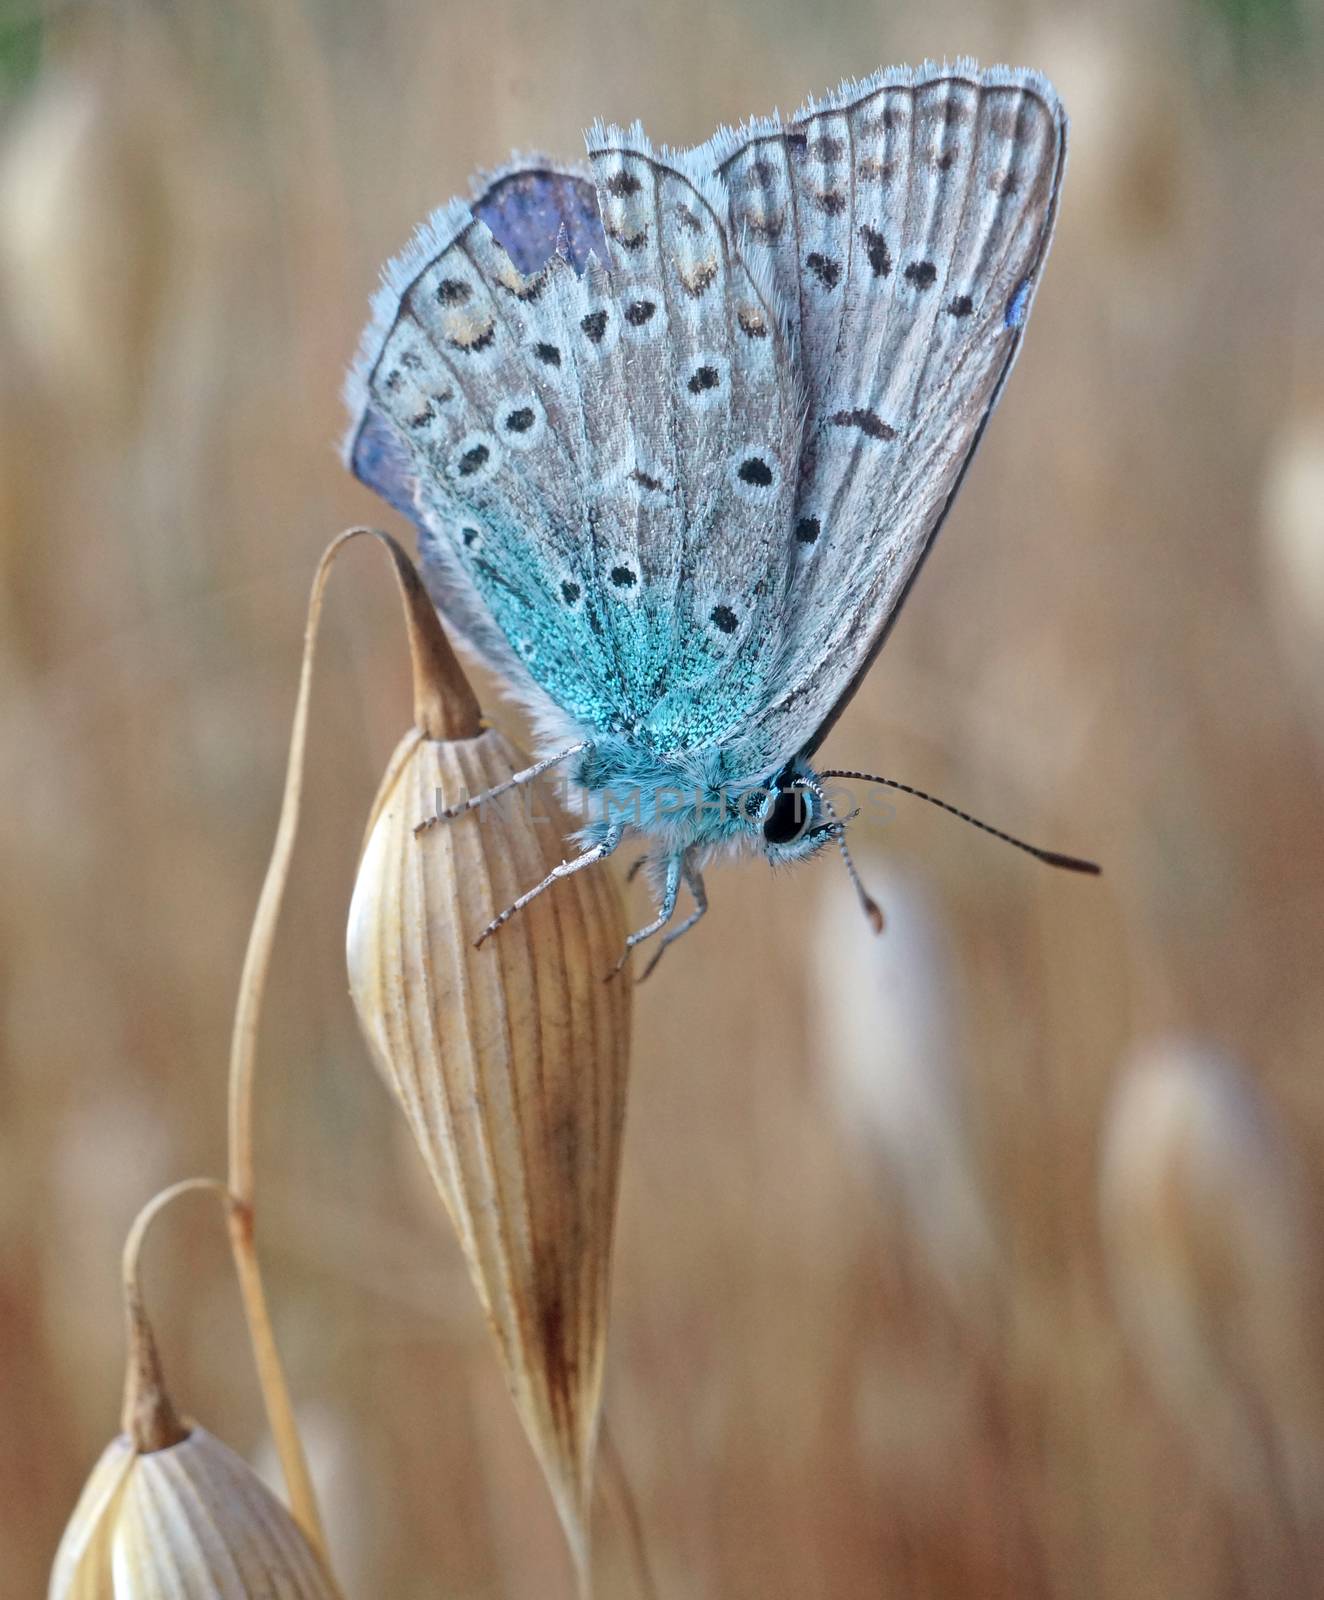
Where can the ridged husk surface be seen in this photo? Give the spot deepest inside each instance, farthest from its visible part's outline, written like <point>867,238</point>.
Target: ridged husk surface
<point>510,1062</point>
<point>192,1522</point>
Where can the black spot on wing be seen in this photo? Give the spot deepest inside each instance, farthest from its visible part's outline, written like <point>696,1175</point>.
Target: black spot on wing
<point>808,529</point>
<point>724,618</point>
<point>639,312</point>
<point>824,268</point>
<point>622,184</point>
<point>629,241</point>
<point>594,325</point>
<point>703,378</point>
<point>472,459</point>
<point>755,470</point>
<point>962,306</point>
<point>548,354</point>
<point>866,421</point>
<point>880,257</point>
<point>923,274</point>
<point>623,577</point>
<point>570,592</point>
<point>453,291</point>
<point>520,420</point>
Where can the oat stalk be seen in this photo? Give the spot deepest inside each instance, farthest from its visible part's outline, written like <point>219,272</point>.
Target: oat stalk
<point>439,705</point>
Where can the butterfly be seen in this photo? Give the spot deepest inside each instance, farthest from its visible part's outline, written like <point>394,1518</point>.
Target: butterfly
<point>678,428</point>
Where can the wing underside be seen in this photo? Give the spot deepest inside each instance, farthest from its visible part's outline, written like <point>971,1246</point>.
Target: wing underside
<point>678,429</point>
<point>904,223</point>
<point>600,453</point>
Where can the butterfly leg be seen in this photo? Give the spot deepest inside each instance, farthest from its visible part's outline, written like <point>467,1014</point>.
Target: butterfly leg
<point>665,912</point>
<point>449,813</point>
<point>694,883</point>
<point>598,852</point>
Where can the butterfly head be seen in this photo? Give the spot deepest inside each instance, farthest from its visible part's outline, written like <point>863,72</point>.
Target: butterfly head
<point>792,817</point>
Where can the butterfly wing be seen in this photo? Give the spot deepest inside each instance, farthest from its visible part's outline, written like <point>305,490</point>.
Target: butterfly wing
<point>531,209</point>
<point>714,414</point>
<point>904,222</point>
<point>622,502</point>
<point>600,461</point>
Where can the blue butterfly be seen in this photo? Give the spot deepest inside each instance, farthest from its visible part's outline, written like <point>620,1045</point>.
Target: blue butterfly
<point>679,428</point>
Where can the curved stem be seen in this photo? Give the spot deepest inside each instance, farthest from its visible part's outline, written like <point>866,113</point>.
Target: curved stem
<point>257,958</point>
<point>444,707</point>
<point>149,1416</point>
<point>243,1061</point>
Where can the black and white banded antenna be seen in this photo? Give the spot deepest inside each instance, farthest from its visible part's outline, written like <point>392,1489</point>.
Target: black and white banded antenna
<point>1052,858</point>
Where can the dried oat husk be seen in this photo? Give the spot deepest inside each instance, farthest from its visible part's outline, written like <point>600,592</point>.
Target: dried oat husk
<point>169,1512</point>
<point>185,1522</point>
<point>510,1060</point>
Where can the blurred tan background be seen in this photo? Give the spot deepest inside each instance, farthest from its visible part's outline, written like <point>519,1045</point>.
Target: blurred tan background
<point>979,1260</point>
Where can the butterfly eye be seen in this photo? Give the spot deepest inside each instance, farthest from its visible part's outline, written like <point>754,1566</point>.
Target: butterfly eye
<point>789,819</point>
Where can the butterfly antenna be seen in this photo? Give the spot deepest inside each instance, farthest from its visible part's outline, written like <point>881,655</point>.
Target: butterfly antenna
<point>868,904</point>
<point>1052,858</point>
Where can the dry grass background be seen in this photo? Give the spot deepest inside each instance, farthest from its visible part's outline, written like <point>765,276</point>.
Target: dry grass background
<point>981,1260</point>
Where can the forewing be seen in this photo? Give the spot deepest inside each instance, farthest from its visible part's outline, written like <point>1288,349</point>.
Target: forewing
<point>904,222</point>
<point>571,443</point>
